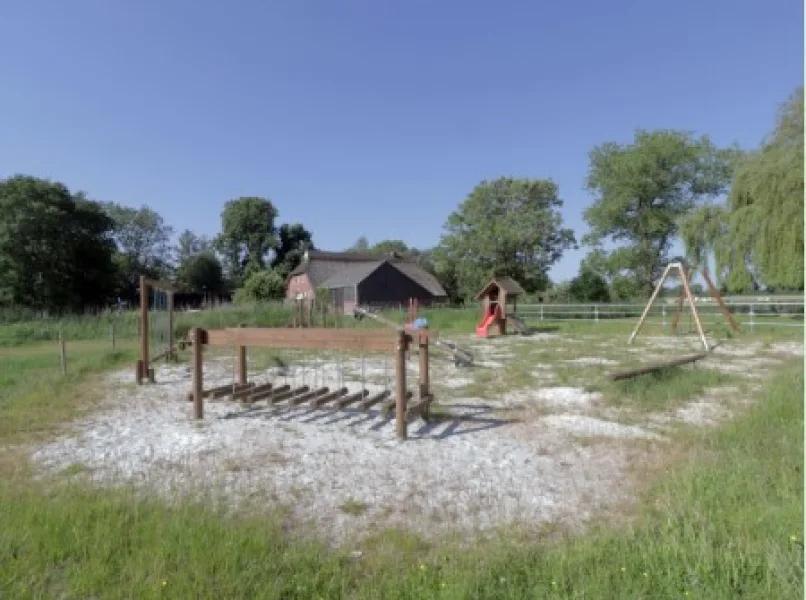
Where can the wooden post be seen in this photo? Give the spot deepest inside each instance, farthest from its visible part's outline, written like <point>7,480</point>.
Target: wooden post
<point>242,363</point>
<point>697,321</point>
<point>112,334</point>
<point>651,300</point>
<point>62,354</point>
<point>198,373</point>
<point>400,386</point>
<point>425,378</point>
<point>718,297</point>
<point>143,363</point>
<point>171,349</point>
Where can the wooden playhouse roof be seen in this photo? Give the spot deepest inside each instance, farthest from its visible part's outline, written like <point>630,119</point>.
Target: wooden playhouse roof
<point>509,285</point>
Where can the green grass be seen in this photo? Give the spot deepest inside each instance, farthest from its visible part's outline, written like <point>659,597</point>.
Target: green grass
<point>723,521</point>
<point>663,389</point>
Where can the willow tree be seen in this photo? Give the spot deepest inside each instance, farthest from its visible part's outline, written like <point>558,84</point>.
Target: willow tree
<point>765,207</point>
<point>756,237</point>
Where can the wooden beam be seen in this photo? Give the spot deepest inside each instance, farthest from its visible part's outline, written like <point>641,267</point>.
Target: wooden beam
<point>249,389</point>
<point>718,297</point>
<point>156,283</point>
<point>329,397</point>
<point>198,374</point>
<point>391,405</point>
<point>312,395</point>
<point>289,395</point>
<point>368,403</point>
<point>694,312</point>
<point>351,399</point>
<point>268,394</point>
<point>320,338</point>
<point>219,392</point>
<point>401,427</point>
<point>651,301</point>
<point>656,367</point>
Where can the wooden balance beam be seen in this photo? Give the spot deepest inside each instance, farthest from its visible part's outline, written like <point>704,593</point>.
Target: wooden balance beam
<point>656,367</point>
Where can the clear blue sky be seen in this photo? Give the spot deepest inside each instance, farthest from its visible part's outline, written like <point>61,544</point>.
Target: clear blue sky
<point>366,117</point>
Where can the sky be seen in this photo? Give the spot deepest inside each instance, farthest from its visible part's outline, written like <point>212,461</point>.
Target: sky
<point>367,118</point>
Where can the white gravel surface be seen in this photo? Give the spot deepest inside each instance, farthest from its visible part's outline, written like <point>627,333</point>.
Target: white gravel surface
<point>488,468</point>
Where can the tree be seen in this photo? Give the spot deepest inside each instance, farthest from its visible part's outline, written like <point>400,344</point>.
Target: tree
<point>505,227</point>
<point>56,248</point>
<point>360,245</point>
<point>247,235</point>
<point>261,286</point>
<point>190,244</point>
<point>144,245</point>
<point>757,236</point>
<point>292,242</point>
<point>643,189</point>
<point>588,286</point>
<point>201,272</point>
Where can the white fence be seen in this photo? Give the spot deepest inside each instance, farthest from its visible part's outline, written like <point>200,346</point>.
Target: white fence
<point>750,314</point>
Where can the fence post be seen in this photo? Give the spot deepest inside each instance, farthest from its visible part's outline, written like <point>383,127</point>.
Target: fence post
<point>596,313</point>
<point>112,334</point>
<point>400,386</point>
<point>663,315</point>
<point>541,312</point>
<point>752,315</point>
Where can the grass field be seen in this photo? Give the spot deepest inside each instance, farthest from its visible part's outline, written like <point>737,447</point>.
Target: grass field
<point>720,514</point>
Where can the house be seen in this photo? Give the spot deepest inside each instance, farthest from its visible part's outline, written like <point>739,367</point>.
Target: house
<point>367,279</point>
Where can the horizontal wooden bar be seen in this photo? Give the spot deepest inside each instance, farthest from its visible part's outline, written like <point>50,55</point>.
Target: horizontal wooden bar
<point>319,338</point>
<point>368,403</point>
<point>656,367</point>
<point>245,393</point>
<point>222,390</point>
<point>351,399</point>
<point>269,393</point>
<point>289,395</point>
<point>324,399</point>
<point>295,400</point>
<point>161,285</point>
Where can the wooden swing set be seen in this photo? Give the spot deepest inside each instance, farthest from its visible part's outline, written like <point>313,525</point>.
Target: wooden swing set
<point>685,274</point>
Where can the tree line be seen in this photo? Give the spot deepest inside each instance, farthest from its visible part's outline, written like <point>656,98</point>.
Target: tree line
<point>740,211</point>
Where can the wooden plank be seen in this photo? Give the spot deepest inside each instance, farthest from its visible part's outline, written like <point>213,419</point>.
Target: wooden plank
<point>368,403</point>
<point>656,367</point>
<point>316,338</point>
<point>325,398</point>
<point>209,392</point>
<point>229,390</point>
<point>269,393</point>
<point>295,400</point>
<point>289,394</point>
<point>156,283</point>
<point>351,399</point>
<point>249,389</point>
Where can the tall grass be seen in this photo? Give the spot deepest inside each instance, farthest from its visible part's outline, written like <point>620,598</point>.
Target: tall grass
<point>724,522</point>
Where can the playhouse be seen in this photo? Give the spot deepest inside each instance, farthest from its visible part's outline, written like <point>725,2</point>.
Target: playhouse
<point>495,297</point>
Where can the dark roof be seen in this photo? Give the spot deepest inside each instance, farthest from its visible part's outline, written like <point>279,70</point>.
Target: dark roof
<point>421,277</point>
<point>509,285</point>
<point>340,269</point>
<point>351,274</point>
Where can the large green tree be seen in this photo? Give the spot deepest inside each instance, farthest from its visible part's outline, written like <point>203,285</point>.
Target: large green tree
<point>248,235</point>
<point>507,226</point>
<point>756,237</point>
<point>197,266</point>
<point>642,191</point>
<point>144,245</point>
<point>292,242</point>
<point>56,248</point>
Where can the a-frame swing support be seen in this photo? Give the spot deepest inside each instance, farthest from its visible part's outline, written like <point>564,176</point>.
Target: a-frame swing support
<point>687,295</point>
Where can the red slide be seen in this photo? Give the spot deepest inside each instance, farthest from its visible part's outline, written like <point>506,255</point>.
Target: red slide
<point>484,325</point>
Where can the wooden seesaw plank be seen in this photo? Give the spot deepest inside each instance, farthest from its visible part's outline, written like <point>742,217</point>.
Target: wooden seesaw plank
<point>656,367</point>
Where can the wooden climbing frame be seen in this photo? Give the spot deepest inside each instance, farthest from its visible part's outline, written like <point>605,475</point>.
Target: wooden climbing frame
<point>144,372</point>
<point>318,338</point>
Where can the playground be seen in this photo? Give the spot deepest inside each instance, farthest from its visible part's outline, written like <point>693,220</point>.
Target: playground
<point>532,433</point>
